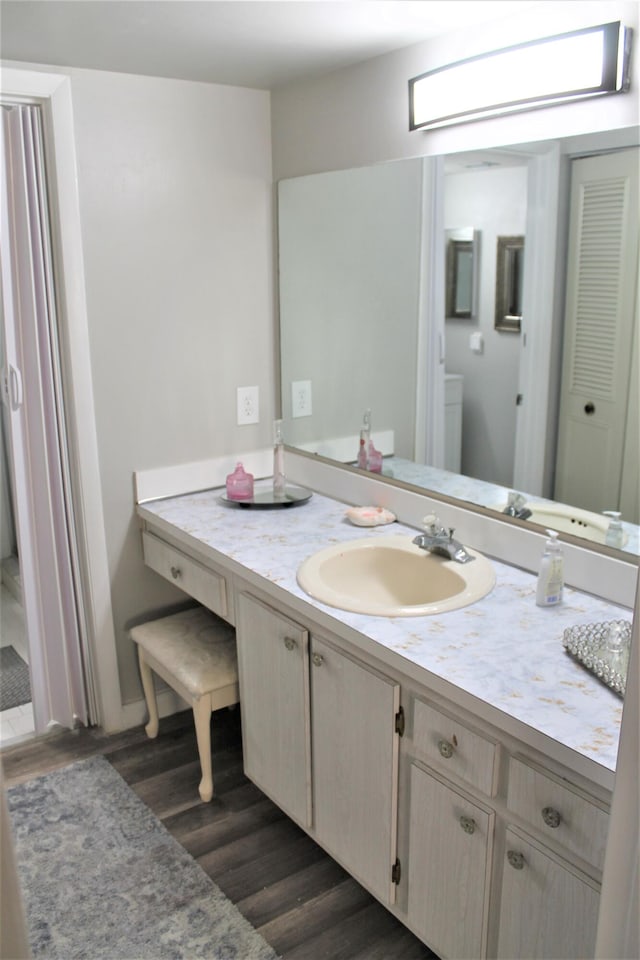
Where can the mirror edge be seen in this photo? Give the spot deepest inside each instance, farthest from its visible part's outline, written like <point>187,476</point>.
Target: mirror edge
<point>488,513</point>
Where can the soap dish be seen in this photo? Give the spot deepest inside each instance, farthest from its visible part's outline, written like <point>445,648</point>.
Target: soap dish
<point>590,644</point>
<point>370,516</point>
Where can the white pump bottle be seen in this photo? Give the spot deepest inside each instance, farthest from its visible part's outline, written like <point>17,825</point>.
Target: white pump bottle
<point>551,575</point>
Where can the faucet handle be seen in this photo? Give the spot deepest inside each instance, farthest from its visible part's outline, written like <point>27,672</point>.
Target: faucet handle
<point>431,523</point>
<point>433,526</point>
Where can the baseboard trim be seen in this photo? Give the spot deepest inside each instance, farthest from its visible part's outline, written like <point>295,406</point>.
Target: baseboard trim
<point>135,714</point>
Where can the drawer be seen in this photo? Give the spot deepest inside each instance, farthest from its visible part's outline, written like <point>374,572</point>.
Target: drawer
<point>449,745</point>
<point>560,812</point>
<point>200,582</point>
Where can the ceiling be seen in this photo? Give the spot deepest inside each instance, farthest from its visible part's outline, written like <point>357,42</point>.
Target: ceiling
<point>262,44</point>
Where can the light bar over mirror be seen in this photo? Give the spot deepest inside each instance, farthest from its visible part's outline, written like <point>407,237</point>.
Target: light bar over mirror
<point>572,66</point>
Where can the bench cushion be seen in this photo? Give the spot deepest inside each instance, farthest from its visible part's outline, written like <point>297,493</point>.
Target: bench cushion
<point>195,646</point>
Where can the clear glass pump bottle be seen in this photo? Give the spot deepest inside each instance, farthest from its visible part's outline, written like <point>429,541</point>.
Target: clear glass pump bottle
<point>365,440</point>
<point>279,480</point>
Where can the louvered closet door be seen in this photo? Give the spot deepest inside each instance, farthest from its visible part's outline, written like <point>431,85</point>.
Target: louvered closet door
<point>602,272</point>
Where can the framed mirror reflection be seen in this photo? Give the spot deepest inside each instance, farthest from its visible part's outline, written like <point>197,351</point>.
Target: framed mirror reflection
<point>462,252</point>
<point>509,283</point>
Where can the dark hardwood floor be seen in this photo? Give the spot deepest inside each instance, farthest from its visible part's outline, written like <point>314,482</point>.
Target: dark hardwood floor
<point>304,904</point>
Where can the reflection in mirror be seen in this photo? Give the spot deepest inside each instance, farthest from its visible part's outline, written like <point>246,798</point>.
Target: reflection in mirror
<point>462,254</point>
<point>350,313</point>
<point>509,277</point>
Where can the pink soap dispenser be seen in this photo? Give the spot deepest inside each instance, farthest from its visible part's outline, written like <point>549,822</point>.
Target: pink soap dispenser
<point>240,484</point>
<point>375,459</point>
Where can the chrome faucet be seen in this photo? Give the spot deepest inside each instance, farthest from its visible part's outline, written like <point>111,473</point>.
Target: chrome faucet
<point>437,539</point>
<point>517,506</point>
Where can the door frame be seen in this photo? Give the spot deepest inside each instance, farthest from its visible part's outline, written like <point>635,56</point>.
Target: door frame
<point>53,92</point>
<point>429,446</point>
<point>541,336</point>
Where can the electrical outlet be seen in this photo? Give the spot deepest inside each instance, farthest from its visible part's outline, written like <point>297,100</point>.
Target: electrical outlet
<point>248,399</point>
<point>301,398</point>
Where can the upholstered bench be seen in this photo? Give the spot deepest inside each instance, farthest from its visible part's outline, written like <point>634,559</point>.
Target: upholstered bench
<point>195,653</point>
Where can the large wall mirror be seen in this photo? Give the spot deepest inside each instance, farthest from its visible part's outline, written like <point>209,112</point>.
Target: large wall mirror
<point>351,249</point>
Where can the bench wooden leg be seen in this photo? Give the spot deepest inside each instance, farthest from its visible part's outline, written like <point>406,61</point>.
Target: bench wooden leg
<point>149,695</point>
<point>202,720</point>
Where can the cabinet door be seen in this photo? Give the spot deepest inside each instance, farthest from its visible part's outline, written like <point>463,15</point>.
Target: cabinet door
<point>449,864</point>
<point>546,910</point>
<point>355,766</point>
<point>273,668</point>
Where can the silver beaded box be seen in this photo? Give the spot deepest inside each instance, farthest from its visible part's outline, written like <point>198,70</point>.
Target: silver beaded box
<point>603,648</point>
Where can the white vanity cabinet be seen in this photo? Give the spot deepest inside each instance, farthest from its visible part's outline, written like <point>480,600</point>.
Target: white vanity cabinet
<point>273,668</point>
<point>475,838</point>
<point>451,832</point>
<point>547,909</point>
<point>319,737</point>
<point>504,854</point>
<point>547,902</point>
<point>450,850</point>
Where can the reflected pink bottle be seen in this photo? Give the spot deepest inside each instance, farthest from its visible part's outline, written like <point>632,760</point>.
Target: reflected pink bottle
<point>375,459</point>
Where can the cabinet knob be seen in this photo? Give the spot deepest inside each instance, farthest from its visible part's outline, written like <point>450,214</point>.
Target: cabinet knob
<point>516,860</point>
<point>176,573</point>
<point>468,824</point>
<point>290,643</point>
<point>317,659</point>
<point>446,749</point>
<point>551,817</point>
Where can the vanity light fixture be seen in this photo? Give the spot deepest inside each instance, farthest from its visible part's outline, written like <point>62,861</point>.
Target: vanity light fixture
<point>571,66</point>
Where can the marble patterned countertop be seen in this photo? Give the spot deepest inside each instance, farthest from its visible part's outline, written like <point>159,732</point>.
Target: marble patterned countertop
<point>503,650</point>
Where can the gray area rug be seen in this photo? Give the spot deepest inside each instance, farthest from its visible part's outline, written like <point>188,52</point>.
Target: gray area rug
<point>15,687</point>
<point>102,877</point>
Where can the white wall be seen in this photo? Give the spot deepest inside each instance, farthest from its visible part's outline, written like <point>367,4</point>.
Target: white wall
<point>176,209</point>
<point>493,202</point>
<point>176,213</point>
<point>359,115</point>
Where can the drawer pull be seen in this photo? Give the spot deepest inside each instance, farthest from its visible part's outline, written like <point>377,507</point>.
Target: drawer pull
<point>446,749</point>
<point>468,824</point>
<point>290,643</point>
<point>176,573</point>
<point>317,659</point>
<point>551,817</point>
<point>516,860</point>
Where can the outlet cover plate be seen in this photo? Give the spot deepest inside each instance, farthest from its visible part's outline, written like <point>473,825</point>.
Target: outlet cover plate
<point>248,405</point>
<point>301,398</point>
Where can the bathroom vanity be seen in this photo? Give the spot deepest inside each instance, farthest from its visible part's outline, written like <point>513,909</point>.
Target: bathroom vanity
<point>459,766</point>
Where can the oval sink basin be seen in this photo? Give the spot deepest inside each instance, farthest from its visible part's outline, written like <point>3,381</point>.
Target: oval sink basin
<point>391,577</point>
<point>581,523</point>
